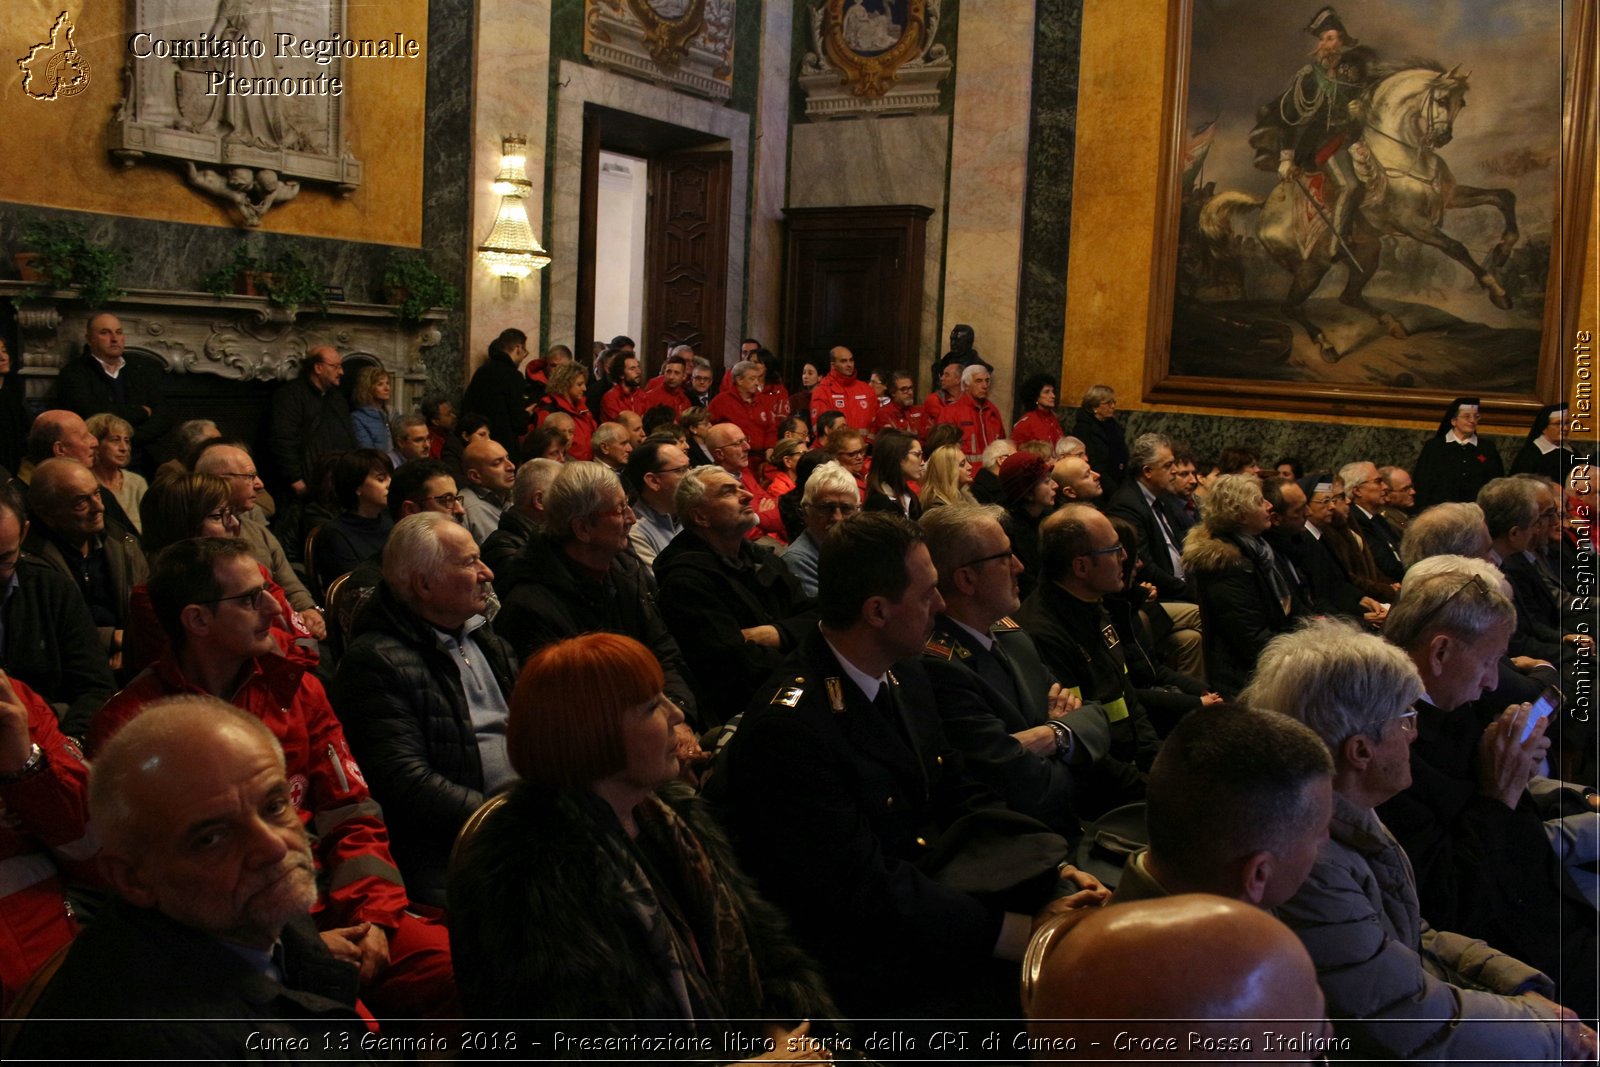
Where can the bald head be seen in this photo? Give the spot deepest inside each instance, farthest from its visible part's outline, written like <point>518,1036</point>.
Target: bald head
<point>729,446</point>
<point>65,497</point>
<point>197,821</point>
<point>236,467</point>
<point>61,433</point>
<point>1186,965</point>
<point>486,464</point>
<point>1075,479</point>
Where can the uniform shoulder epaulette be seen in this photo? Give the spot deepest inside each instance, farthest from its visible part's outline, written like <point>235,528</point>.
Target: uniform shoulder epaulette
<point>789,695</point>
<point>1005,625</point>
<point>938,649</point>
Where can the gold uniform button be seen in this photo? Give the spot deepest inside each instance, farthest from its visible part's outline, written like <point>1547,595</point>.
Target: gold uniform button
<point>922,842</point>
<point>939,760</point>
<point>889,803</point>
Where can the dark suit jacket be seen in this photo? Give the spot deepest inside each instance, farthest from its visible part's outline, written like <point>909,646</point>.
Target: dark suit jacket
<point>841,811</point>
<point>985,698</point>
<point>1383,541</point>
<point>136,984</point>
<point>1129,503</point>
<point>1538,632</point>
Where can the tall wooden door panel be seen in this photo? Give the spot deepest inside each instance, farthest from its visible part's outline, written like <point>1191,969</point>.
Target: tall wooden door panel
<point>687,238</point>
<point>853,277</point>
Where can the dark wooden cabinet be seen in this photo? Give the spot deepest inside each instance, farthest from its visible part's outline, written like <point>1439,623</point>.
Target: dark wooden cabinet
<point>853,276</point>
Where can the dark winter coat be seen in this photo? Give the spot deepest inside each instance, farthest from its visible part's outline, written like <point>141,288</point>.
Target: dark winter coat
<point>549,598</point>
<point>85,388</point>
<point>307,425</point>
<point>1106,446</point>
<point>499,392</point>
<point>400,697</point>
<point>540,928</point>
<point>1240,612</point>
<point>708,601</point>
<point>51,644</point>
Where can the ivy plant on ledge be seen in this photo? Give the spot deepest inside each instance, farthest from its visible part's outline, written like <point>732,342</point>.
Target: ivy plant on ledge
<point>59,255</point>
<point>285,278</point>
<point>411,285</point>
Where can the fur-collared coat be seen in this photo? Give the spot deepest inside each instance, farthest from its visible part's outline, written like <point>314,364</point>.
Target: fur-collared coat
<point>1236,600</point>
<point>540,928</point>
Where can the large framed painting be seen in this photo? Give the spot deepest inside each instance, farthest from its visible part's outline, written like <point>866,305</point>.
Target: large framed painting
<point>1372,207</point>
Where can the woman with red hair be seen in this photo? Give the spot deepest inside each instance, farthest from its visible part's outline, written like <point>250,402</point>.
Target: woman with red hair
<point>602,892</point>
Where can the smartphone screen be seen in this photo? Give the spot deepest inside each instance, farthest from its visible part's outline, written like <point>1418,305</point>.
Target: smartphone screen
<point>1548,701</point>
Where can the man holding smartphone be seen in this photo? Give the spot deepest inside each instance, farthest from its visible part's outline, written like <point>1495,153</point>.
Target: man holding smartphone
<point>1475,833</point>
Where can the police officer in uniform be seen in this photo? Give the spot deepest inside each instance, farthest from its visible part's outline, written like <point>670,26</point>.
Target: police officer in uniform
<point>907,880</point>
<point>1022,734</point>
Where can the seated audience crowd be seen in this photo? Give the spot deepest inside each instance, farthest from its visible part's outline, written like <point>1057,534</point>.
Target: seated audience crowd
<point>626,704</point>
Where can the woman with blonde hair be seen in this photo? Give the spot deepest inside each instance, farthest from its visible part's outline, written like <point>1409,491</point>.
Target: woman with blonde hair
<point>601,898</point>
<point>948,479</point>
<point>369,408</point>
<point>111,460</point>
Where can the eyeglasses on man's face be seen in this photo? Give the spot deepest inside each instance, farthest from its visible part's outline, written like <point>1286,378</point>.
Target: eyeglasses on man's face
<point>250,598</point>
<point>1109,550</point>
<point>823,508</point>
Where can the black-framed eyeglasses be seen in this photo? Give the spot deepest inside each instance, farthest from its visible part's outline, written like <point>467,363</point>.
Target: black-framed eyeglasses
<point>251,598</point>
<point>826,509</point>
<point>252,475</point>
<point>222,515</point>
<point>448,501</point>
<point>1109,550</point>
<point>981,560</point>
<point>674,470</point>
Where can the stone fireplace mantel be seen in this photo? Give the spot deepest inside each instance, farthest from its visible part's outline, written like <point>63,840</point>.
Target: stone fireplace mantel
<point>244,338</point>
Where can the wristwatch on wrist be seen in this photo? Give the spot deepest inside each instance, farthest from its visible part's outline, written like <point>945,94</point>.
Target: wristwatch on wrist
<point>1063,738</point>
<point>32,765</point>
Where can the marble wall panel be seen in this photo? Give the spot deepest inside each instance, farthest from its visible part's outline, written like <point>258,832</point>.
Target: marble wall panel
<point>511,87</point>
<point>1317,445</point>
<point>763,298</point>
<point>1047,211</point>
<point>174,255</point>
<point>579,85</point>
<point>988,175</point>
<point>859,162</point>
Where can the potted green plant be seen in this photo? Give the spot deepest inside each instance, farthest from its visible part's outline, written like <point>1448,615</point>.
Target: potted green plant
<point>411,285</point>
<point>286,278</point>
<point>63,257</point>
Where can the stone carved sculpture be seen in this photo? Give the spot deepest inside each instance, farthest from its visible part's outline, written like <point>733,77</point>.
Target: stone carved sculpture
<point>253,193</point>
<point>873,57</point>
<point>687,44</point>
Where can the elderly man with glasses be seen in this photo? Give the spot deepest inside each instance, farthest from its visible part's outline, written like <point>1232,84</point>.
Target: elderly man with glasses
<point>830,496</point>
<point>70,534</point>
<point>217,613</point>
<point>1397,988</point>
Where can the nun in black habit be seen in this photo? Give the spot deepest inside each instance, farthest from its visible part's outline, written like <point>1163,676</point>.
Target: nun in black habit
<point>1544,452</point>
<point>1455,463</point>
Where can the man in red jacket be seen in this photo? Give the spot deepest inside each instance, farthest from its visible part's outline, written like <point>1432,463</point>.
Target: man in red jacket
<point>746,408</point>
<point>626,394</point>
<point>669,390</point>
<point>209,597</point>
<point>44,798</point>
<point>841,391</point>
<point>977,418</point>
<point>902,412</point>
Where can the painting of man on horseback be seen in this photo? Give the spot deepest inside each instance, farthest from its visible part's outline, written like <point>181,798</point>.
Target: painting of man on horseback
<point>1311,274</point>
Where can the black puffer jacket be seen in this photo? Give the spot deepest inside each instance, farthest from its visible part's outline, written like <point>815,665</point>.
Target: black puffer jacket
<point>399,695</point>
<point>549,598</point>
<point>1106,446</point>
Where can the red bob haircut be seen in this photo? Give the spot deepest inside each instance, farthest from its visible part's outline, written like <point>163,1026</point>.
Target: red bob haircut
<point>568,707</point>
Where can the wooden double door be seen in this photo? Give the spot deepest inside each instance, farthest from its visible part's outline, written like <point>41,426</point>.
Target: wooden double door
<point>686,235</point>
